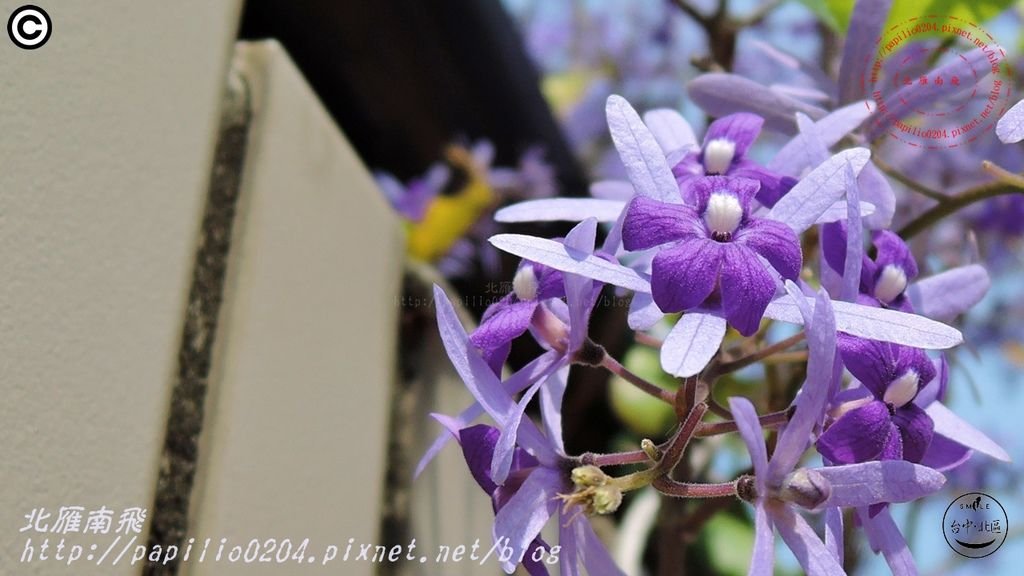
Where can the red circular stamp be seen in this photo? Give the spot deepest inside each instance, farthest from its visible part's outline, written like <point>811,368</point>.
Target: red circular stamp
<point>936,82</point>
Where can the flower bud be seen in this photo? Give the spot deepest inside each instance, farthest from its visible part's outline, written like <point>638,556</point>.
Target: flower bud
<point>605,499</point>
<point>807,488</point>
<point>584,476</point>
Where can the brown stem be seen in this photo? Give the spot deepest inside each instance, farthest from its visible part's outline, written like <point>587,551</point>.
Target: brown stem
<point>773,420</point>
<point>740,363</point>
<point>670,487</point>
<point>909,182</point>
<point>955,203</point>
<point>613,366</point>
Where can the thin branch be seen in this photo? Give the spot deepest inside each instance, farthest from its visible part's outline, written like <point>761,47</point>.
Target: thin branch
<point>670,487</point>
<point>773,420</point>
<point>740,363</point>
<point>955,203</point>
<point>613,366</point>
<point>909,182</point>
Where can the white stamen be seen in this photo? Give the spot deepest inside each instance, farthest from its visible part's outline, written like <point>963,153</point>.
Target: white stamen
<point>891,283</point>
<point>902,389</point>
<point>524,284</point>
<point>718,155</point>
<point>723,214</point>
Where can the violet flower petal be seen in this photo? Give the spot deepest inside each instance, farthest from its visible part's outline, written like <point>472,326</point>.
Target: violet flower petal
<point>579,290</point>
<point>557,256</point>
<point>815,147</point>
<point>882,531</point>
<point>877,324</point>
<point>840,211</point>
<point>721,94</point>
<point>478,444</point>
<point>692,343</point>
<point>643,312</point>
<point>810,404</point>
<point>854,240</point>
<point>561,209</point>
<point>810,552</point>
<point>879,482</point>
<point>568,558</point>
<point>944,454</point>
<point>620,190</point>
<point>875,188</point>
<point>948,294</point>
<point>504,324</point>
<point>551,395</point>
<point>596,559</point>
<point>513,385</point>
<point>866,23</point>
<point>506,446</point>
<point>670,129</point>
<point>649,223</point>
<point>818,190</point>
<point>870,361</point>
<point>859,435</point>
<point>793,157</point>
<point>749,427</point>
<point>746,285</point>
<point>892,450</point>
<point>1010,128</point>
<point>776,242</point>
<point>762,560</point>
<point>953,427</point>
<point>642,156</point>
<point>521,519</point>
<point>892,250</point>
<point>834,532</point>
<point>740,128</point>
<point>916,430</point>
<point>481,381</point>
<point>685,274</point>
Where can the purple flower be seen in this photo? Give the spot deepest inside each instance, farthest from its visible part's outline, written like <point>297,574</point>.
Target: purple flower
<point>510,317</point>
<point>779,488</point>
<point>536,470</point>
<point>524,504</point>
<point>888,425</point>
<point>884,280</point>
<point>710,252</point>
<point>411,201</point>
<point>723,153</point>
<point>888,280</point>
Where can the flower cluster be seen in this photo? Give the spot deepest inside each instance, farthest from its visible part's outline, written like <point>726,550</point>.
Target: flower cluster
<point>720,253</point>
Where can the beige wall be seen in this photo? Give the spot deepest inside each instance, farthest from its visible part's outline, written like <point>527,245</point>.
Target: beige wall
<point>106,135</point>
